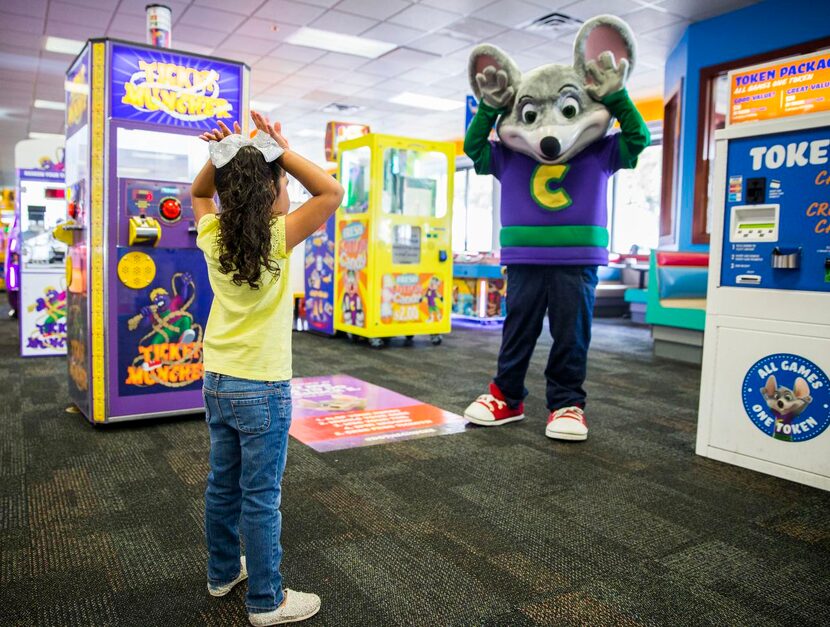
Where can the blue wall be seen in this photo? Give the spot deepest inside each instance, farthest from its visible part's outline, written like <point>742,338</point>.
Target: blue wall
<point>756,29</point>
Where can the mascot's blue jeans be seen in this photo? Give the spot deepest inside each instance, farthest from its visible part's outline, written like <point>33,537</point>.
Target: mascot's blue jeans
<point>566,295</point>
<point>248,423</point>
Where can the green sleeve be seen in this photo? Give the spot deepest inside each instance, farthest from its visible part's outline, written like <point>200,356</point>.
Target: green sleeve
<point>635,136</point>
<point>476,141</point>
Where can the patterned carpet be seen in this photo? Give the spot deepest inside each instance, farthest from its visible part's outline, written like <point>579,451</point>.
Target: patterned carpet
<point>488,527</point>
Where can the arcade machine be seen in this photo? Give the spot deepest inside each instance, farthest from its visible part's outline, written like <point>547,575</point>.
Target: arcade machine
<point>138,296</point>
<point>319,248</point>
<point>393,265</point>
<point>35,274</point>
<point>6,220</point>
<point>765,391</point>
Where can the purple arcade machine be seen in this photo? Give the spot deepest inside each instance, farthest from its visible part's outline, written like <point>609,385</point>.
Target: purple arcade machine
<point>138,295</point>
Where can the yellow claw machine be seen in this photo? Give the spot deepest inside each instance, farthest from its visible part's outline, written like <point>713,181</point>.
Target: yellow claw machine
<point>393,229</point>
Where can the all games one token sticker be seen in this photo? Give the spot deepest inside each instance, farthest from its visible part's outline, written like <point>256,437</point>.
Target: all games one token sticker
<point>787,397</point>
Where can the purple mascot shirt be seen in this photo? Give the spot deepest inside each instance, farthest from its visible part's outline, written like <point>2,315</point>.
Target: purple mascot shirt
<point>555,214</point>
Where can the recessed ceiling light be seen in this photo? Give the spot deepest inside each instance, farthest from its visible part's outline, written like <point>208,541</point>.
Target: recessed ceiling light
<point>262,106</point>
<point>422,101</point>
<point>337,42</point>
<point>38,135</point>
<point>63,46</point>
<point>50,104</point>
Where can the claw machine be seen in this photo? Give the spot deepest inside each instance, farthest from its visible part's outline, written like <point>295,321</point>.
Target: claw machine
<point>393,230</point>
<point>138,295</point>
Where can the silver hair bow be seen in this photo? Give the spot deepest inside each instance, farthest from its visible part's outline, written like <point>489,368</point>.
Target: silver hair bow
<point>222,152</point>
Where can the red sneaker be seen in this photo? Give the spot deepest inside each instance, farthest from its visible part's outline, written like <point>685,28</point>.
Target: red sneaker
<point>490,410</point>
<point>567,423</point>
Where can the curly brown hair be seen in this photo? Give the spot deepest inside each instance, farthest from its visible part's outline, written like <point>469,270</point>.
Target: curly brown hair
<point>247,186</point>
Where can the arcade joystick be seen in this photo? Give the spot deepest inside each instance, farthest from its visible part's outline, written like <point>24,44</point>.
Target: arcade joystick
<point>170,209</point>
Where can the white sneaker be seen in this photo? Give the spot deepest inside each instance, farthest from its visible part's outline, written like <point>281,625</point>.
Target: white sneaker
<point>567,423</point>
<point>220,591</point>
<point>295,607</point>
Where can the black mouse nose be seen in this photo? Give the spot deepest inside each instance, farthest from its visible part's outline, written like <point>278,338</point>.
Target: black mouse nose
<point>550,147</point>
<point>781,404</point>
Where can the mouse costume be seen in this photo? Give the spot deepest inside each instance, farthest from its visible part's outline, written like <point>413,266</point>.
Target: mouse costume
<point>553,159</point>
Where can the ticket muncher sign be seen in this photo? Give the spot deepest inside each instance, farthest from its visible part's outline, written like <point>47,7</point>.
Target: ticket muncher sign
<point>793,86</point>
<point>161,87</point>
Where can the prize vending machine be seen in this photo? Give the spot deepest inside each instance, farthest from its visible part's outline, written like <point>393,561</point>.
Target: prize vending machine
<point>36,270</point>
<point>393,264</point>
<point>765,390</point>
<point>138,296</point>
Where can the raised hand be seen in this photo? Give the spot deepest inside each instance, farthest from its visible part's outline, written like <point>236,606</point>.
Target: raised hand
<point>609,76</point>
<point>274,130</point>
<point>218,134</point>
<point>495,87</point>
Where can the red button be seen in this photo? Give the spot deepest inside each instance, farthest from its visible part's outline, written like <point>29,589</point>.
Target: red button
<point>171,209</point>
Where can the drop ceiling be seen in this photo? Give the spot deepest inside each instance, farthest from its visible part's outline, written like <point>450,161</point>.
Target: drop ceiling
<point>432,38</point>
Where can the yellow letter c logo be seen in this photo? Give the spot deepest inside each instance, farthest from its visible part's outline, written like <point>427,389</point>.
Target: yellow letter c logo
<point>552,199</point>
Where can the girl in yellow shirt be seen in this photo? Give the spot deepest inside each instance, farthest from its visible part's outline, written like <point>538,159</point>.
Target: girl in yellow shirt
<point>247,353</point>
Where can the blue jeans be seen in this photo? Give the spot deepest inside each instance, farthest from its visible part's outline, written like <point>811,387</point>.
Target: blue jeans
<point>248,423</point>
<point>566,295</point>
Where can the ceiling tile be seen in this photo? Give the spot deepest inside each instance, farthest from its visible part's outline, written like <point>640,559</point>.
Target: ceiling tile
<point>378,9</point>
<point>438,44</point>
<point>341,61</point>
<point>196,35</point>
<point>30,8</point>
<point>286,12</point>
<point>646,20</point>
<point>19,42</point>
<point>462,7</point>
<point>238,55</point>
<point>339,22</point>
<point>424,18</point>
<point>127,23</point>
<point>304,82</point>
<point>22,23</point>
<point>265,29</point>
<point>510,13</point>
<point>513,41</point>
<point>586,9</point>
<point>303,54</point>
<point>73,14</point>
<point>270,63</point>
<point>392,33</point>
<point>137,7</point>
<point>282,92</point>
<point>702,9</point>
<point>214,19</point>
<point>475,29</point>
<point>72,31</point>
<point>187,46</point>
<point>360,78</point>
<point>322,3</point>
<point>668,35</point>
<point>313,70</point>
<point>246,43</point>
<point>244,7</point>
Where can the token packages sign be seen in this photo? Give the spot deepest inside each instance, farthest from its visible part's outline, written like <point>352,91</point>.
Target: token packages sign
<point>161,87</point>
<point>792,87</point>
<point>339,412</point>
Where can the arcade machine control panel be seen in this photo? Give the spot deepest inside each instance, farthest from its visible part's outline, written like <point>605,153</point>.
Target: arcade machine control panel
<point>156,213</point>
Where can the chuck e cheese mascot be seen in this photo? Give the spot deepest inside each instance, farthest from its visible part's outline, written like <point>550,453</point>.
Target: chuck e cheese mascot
<point>554,159</point>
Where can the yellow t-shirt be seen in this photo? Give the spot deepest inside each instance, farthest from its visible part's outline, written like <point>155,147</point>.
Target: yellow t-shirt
<point>248,332</point>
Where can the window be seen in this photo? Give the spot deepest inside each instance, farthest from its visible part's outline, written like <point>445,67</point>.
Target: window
<point>635,204</point>
<point>472,219</point>
<point>671,143</point>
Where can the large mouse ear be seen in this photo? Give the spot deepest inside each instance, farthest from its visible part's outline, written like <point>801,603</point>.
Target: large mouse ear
<point>486,55</point>
<point>600,34</point>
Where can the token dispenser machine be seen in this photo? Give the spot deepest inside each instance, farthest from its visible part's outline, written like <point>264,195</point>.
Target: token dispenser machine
<point>138,291</point>
<point>765,392</point>
<point>393,265</point>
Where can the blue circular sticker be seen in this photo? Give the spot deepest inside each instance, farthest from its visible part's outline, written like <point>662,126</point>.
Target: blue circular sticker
<point>787,397</point>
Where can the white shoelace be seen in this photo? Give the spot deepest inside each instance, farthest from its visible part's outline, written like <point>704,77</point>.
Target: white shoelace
<point>491,402</point>
<point>570,412</point>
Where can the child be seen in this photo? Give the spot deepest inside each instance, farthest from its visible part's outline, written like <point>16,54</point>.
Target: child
<point>247,353</point>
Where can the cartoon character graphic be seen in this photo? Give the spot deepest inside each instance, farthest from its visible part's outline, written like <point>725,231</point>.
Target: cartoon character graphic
<point>168,319</point>
<point>554,158</point>
<point>352,303</point>
<point>785,404</point>
<point>51,324</point>
<point>387,297</point>
<point>338,402</point>
<point>495,297</point>
<point>432,295</point>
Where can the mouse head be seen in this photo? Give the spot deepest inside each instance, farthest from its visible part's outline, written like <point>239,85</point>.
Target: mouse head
<point>785,401</point>
<point>553,111</point>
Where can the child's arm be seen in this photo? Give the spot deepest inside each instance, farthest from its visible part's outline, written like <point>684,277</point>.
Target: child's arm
<point>203,189</point>
<point>326,192</point>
